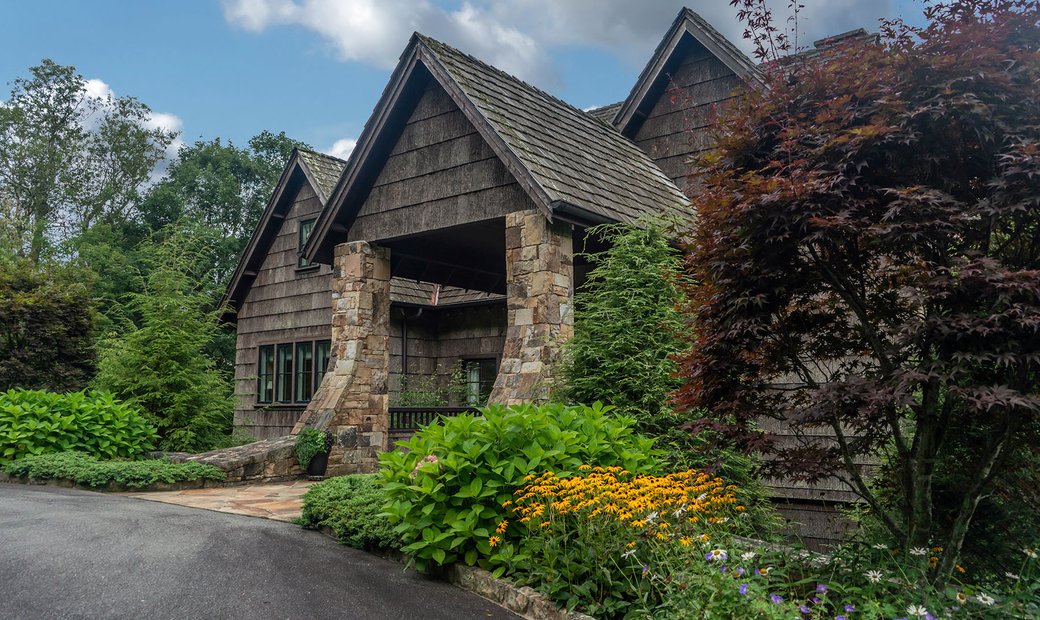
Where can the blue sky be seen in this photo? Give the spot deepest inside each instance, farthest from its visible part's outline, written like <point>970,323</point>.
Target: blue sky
<point>315,68</point>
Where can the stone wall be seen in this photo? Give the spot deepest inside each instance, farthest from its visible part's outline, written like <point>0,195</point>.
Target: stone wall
<point>540,293</point>
<point>352,400</point>
<point>270,460</point>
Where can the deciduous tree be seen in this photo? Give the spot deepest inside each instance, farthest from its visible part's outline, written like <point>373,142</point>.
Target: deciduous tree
<point>868,259</point>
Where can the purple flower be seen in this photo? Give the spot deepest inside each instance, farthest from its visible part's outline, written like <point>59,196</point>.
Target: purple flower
<point>840,618</point>
<point>743,589</point>
<point>816,600</point>
<point>646,569</point>
<point>822,589</point>
<point>849,609</point>
<point>740,571</point>
<point>776,598</point>
<point>722,568</point>
<point>716,554</point>
<point>804,609</point>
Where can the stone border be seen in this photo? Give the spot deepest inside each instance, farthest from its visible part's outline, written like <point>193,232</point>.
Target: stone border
<point>523,601</point>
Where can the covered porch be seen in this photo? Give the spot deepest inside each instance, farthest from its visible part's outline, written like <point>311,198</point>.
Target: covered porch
<point>454,317</point>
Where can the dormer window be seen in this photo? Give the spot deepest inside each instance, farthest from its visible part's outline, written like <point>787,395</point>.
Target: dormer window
<point>306,226</point>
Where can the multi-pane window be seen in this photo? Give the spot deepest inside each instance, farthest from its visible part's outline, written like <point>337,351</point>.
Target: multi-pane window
<point>304,378</point>
<point>283,373</point>
<point>291,372</point>
<point>265,374</point>
<point>480,378</point>
<point>322,355</point>
<point>305,228</point>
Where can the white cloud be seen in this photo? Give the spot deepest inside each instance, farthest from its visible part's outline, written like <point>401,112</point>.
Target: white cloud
<point>518,35</point>
<point>342,148</point>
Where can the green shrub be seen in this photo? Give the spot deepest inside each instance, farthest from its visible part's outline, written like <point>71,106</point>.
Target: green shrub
<point>309,443</point>
<point>87,470</point>
<point>351,507</point>
<point>46,328</point>
<point>35,422</point>
<point>446,490</point>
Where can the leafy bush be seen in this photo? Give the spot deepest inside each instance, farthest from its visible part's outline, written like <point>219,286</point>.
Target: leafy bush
<point>309,443</point>
<point>87,470</point>
<point>35,422</point>
<point>351,506</point>
<point>46,322</point>
<point>445,490</point>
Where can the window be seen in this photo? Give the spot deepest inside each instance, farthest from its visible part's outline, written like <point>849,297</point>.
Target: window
<point>305,228</point>
<point>265,374</point>
<point>480,378</point>
<point>322,355</point>
<point>283,373</point>
<point>291,372</point>
<point>304,372</point>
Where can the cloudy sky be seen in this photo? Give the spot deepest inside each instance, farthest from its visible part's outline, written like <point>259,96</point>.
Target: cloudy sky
<point>315,68</point>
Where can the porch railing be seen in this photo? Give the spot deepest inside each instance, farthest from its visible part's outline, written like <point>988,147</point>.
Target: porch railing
<point>406,420</point>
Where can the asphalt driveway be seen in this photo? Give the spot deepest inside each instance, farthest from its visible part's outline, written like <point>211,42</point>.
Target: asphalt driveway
<point>77,554</point>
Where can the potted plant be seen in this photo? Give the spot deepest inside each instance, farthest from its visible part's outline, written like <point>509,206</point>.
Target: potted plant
<point>312,450</point>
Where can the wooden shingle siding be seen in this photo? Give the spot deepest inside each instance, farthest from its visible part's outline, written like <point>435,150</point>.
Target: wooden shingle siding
<point>677,126</point>
<point>283,305</point>
<point>440,173</point>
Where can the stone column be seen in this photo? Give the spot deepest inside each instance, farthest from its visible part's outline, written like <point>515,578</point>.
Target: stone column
<point>352,399</point>
<point>540,294</point>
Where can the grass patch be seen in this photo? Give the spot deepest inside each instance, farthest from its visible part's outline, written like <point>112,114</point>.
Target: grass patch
<point>86,470</point>
<point>351,507</point>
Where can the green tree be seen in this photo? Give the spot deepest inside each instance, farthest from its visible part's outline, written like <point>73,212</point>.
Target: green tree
<point>69,159</point>
<point>160,363</point>
<point>46,328</point>
<point>627,326</point>
<point>224,188</point>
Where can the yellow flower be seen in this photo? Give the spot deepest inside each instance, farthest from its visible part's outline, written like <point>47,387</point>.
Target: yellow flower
<point>685,541</point>
<point>502,526</point>
<point>494,540</point>
<point>631,544</point>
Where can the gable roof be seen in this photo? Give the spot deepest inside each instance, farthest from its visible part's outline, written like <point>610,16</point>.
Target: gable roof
<point>654,77</point>
<point>570,163</point>
<point>321,172</point>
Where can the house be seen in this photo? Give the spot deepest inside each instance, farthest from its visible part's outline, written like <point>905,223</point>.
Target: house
<point>449,241</point>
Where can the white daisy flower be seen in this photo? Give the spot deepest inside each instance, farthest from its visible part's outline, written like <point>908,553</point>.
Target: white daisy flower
<point>650,518</point>
<point>874,576</point>
<point>917,610</point>
<point>921,551</point>
<point>881,546</point>
<point>1012,576</point>
<point>747,556</point>
<point>985,599</point>
<point>1030,552</point>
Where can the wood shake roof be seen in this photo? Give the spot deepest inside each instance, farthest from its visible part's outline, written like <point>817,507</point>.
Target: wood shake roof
<point>582,165</point>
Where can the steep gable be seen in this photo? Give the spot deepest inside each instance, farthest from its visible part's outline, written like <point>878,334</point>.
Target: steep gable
<point>568,163</point>
<point>692,72</point>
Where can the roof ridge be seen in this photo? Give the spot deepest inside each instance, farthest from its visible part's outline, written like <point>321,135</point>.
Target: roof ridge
<point>428,39</point>
<point>311,151</point>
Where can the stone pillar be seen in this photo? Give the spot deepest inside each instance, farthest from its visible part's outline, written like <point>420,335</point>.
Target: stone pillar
<point>540,294</point>
<point>352,399</point>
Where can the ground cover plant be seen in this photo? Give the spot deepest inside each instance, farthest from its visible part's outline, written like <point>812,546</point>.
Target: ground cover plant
<point>867,268</point>
<point>351,506</point>
<point>34,422</point>
<point>86,470</point>
<point>445,490</point>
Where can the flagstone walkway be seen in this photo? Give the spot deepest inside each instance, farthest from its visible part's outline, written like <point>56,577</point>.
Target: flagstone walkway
<point>280,501</point>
